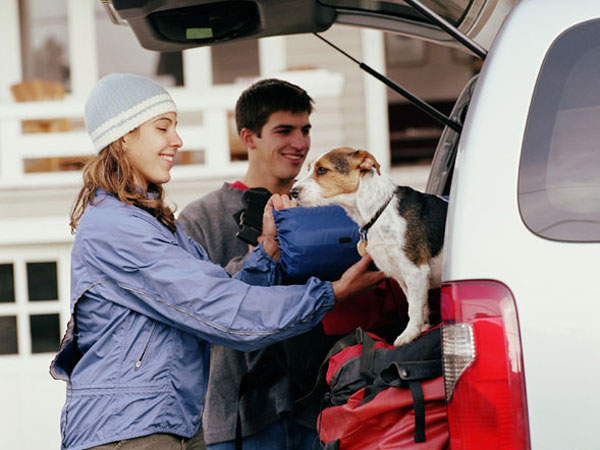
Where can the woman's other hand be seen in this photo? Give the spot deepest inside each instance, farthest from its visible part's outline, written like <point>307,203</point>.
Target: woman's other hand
<point>356,278</point>
<point>269,230</point>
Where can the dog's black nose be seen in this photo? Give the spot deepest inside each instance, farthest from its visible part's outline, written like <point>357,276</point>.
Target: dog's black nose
<point>294,193</point>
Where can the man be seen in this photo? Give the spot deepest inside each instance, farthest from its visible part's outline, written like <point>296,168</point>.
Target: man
<point>252,394</point>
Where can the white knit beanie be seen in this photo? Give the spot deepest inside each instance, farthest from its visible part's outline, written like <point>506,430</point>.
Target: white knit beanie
<point>121,102</point>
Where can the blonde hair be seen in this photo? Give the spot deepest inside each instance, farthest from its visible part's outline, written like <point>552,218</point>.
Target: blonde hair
<point>111,170</point>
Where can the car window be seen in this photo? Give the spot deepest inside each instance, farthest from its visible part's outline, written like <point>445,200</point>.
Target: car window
<point>451,10</point>
<point>559,178</point>
<point>442,166</point>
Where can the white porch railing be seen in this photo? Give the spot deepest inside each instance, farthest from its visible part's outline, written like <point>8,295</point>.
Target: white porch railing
<point>210,134</point>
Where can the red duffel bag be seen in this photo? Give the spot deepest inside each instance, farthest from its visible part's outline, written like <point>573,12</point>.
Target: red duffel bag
<point>384,397</point>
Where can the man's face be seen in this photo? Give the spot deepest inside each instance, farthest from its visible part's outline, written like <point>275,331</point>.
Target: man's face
<point>283,144</point>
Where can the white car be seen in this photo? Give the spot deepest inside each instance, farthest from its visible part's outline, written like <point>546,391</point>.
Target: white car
<point>521,296</point>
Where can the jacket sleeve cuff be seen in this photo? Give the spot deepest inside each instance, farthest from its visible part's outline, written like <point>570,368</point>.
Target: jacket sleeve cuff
<point>259,269</point>
<point>330,296</point>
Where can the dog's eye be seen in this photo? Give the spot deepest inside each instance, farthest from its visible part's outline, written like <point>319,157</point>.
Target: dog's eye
<point>322,170</point>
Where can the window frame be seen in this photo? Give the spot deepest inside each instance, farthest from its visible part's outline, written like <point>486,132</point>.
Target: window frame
<point>22,308</point>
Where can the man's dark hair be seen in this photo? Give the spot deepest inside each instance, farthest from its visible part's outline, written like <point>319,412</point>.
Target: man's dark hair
<point>263,98</point>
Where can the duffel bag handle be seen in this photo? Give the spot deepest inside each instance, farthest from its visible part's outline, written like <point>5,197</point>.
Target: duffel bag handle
<point>367,357</point>
<point>403,375</point>
<point>357,337</point>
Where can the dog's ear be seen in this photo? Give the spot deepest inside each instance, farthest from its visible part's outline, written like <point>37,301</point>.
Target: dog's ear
<point>366,161</point>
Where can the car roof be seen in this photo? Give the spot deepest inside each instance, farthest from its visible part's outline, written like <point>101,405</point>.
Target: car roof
<point>173,25</point>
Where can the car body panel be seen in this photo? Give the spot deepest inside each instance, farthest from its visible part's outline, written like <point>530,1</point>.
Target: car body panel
<point>553,282</point>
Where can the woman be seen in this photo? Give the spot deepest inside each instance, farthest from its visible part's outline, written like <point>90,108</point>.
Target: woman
<point>145,300</point>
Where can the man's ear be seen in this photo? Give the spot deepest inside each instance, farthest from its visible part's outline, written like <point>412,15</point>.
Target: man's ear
<point>247,137</point>
<point>366,161</point>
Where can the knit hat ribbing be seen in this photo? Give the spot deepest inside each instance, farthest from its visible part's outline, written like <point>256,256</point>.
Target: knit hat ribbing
<point>120,103</point>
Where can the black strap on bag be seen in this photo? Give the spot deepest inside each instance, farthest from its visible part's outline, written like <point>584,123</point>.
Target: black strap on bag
<point>367,358</point>
<point>347,341</point>
<point>401,375</point>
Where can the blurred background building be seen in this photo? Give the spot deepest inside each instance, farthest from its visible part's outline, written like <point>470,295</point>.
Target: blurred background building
<point>54,51</point>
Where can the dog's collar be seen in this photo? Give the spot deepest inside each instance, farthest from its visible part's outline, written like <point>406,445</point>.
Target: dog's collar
<point>362,231</point>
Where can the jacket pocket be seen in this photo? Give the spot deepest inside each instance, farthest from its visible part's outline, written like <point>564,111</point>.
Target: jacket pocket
<point>140,360</point>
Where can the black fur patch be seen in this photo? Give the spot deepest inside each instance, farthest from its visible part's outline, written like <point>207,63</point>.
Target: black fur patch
<point>425,215</point>
<point>340,162</point>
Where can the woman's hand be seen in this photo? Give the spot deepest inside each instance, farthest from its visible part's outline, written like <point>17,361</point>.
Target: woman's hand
<point>269,230</point>
<point>357,278</point>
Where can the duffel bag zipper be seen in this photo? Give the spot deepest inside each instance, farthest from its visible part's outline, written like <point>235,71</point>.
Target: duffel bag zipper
<point>138,363</point>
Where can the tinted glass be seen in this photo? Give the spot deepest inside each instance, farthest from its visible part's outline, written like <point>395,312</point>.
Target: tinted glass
<point>7,283</point>
<point>559,179</point>
<point>8,335</point>
<point>45,333</point>
<point>451,10</point>
<point>42,281</point>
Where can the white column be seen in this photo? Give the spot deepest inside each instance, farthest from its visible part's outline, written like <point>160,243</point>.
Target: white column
<point>376,102</point>
<point>21,292</point>
<point>197,69</point>
<point>217,147</point>
<point>11,162</point>
<point>83,54</point>
<point>11,48</point>
<point>271,55</point>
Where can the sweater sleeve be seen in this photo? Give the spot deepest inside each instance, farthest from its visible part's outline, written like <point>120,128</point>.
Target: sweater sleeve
<point>158,278</point>
<point>192,220</point>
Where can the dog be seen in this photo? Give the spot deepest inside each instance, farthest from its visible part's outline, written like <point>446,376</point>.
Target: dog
<point>402,229</point>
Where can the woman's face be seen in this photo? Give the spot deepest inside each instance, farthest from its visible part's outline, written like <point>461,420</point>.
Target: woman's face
<point>151,148</point>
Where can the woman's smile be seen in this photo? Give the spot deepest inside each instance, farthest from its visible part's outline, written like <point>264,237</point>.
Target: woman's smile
<point>167,158</point>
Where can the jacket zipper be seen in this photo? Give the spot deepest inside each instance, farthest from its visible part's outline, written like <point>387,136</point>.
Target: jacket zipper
<point>138,363</point>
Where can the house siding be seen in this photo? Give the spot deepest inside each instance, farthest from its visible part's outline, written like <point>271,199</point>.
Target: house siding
<point>307,51</point>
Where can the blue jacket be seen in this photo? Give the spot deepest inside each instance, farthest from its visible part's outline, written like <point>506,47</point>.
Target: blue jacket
<point>145,303</point>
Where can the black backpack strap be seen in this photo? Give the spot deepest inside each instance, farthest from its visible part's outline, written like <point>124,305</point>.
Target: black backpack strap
<point>367,358</point>
<point>349,340</point>
<point>403,375</point>
<point>400,374</point>
<point>419,407</point>
<point>357,337</point>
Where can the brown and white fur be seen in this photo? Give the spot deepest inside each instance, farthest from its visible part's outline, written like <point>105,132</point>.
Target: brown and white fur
<point>405,242</point>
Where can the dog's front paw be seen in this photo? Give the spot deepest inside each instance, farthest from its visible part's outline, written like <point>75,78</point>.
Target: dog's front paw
<point>408,335</point>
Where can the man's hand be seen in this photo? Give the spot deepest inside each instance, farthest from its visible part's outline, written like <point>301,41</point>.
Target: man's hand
<point>269,230</point>
<point>357,278</point>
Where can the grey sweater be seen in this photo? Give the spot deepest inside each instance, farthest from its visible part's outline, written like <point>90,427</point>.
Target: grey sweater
<point>283,372</point>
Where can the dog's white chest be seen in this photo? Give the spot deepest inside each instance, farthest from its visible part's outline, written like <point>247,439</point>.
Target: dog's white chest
<point>385,242</point>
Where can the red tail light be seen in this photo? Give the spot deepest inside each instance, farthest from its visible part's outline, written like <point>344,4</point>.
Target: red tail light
<point>483,367</point>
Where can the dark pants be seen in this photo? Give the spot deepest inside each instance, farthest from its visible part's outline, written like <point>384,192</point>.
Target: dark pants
<point>282,435</point>
<point>156,442</point>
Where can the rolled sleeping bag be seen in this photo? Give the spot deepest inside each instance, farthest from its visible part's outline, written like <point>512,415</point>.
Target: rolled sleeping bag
<point>319,241</point>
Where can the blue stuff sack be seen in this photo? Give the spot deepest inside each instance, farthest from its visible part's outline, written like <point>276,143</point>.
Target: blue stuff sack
<point>318,242</point>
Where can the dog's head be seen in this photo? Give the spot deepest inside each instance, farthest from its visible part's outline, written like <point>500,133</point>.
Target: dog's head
<point>334,177</point>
